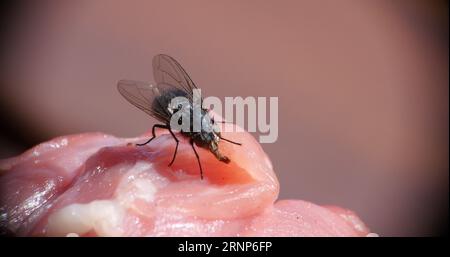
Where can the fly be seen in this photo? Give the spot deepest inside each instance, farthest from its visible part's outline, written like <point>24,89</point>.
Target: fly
<point>173,81</point>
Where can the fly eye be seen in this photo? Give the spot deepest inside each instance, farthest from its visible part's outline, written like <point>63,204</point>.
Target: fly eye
<point>180,106</point>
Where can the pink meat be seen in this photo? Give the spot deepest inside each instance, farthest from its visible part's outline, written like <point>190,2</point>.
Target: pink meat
<point>96,184</point>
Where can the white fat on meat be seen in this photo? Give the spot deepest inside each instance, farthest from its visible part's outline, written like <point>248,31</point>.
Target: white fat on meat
<point>106,217</point>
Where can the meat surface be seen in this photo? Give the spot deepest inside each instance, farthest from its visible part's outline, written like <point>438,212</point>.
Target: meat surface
<point>99,185</point>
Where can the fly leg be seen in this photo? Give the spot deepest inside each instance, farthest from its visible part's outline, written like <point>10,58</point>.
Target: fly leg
<point>229,141</point>
<point>153,133</point>
<point>176,147</point>
<point>198,158</point>
<point>222,137</point>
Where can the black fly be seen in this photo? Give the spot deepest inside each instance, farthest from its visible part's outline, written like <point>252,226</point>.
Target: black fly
<point>173,81</point>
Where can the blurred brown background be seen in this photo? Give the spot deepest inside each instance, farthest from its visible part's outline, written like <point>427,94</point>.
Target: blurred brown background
<point>362,87</point>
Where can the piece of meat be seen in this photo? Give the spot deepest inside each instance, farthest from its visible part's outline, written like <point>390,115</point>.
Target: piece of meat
<point>96,184</point>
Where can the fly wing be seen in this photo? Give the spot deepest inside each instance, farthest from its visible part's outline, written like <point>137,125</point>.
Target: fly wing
<point>142,95</point>
<point>167,70</point>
